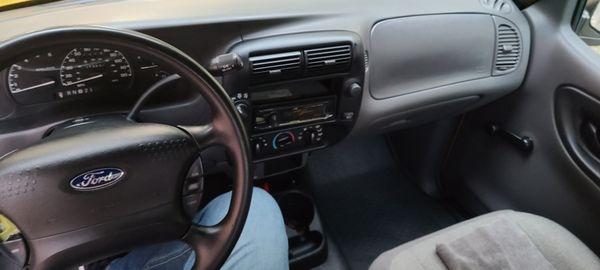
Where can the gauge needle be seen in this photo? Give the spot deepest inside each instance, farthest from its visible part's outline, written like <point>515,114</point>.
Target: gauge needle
<point>148,67</point>
<point>34,86</point>
<point>85,80</point>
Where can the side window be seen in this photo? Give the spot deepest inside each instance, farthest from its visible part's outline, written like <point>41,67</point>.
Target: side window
<point>595,15</point>
<point>587,23</point>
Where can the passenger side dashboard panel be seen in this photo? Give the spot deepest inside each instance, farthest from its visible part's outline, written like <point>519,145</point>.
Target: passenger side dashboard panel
<point>412,54</point>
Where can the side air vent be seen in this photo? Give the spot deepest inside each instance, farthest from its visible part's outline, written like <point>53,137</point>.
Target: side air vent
<point>328,59</point>
<point>501,6</point>
<point>508,50</point>
<point>366,61</point>
<point>273,67</point>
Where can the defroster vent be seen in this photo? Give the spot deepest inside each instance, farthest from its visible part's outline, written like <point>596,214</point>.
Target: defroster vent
<point>497,5</point>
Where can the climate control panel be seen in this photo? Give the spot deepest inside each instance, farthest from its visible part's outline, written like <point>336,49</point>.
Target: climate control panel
<point>288,141</point>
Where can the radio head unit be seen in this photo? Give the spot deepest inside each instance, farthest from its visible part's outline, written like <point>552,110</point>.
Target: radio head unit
<point>296,113</point>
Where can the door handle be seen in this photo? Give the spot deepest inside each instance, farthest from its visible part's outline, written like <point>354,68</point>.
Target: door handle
<point>590,134</point>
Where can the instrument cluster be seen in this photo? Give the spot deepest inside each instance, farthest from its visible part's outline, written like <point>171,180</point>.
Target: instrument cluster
<point>78,72</point>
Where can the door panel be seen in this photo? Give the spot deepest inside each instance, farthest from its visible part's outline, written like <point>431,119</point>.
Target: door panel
<point>577,117</point>
<point>559,178</point>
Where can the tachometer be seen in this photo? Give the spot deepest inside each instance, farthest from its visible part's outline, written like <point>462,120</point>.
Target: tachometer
<point>33,73</point>
<point>87,70</point>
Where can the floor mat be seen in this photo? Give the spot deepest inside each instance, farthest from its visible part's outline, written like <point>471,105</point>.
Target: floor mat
<point>367,204</point>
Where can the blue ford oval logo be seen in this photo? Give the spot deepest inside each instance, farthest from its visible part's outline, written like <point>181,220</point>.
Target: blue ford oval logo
<point>97,179</point>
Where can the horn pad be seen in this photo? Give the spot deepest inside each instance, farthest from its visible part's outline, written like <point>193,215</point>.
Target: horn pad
<point>91,171</point>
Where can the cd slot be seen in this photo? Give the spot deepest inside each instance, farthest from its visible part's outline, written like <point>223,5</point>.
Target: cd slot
<point>289,92</point>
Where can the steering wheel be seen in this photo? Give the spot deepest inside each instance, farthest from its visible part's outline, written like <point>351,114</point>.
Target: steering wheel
<point>141,202</point>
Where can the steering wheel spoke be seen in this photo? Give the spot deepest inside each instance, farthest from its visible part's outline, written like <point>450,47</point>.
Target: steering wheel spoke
<point>203,135</point>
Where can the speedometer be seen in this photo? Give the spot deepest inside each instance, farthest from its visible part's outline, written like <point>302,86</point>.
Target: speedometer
<point>87,70</point>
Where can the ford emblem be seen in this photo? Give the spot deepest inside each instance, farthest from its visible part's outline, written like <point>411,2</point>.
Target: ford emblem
<point>97,179</point>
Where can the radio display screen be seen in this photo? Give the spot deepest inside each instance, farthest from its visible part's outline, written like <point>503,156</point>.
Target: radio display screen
<point>292,115</point>
<point>304,113</point>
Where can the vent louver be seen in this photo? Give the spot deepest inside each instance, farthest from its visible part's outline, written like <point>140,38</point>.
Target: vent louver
<point>498,5</point>
<point>328,59</point>
<point>277,66</point>
<point>366,61</point>
<point>508,50</point>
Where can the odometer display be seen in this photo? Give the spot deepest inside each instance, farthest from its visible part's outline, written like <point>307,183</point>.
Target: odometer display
<point>87,70</point>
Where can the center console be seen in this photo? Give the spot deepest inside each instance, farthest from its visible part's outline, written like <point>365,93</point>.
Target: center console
<point>296,93</point>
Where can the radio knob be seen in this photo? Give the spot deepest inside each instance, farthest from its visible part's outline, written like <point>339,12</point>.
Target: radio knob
<point>354,90</point>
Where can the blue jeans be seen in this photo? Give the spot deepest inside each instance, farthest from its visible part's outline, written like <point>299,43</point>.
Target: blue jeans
<point>262,245</point>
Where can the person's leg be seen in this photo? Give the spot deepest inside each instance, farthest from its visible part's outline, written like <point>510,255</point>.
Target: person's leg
<point>262,245</point>
<point>171,255</point>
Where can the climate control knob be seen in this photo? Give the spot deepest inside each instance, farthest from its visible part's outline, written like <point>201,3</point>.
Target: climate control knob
<point>283,140</point>
<point>311,137</point>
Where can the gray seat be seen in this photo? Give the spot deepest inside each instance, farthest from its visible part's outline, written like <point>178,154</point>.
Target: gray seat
<point>560,247</point>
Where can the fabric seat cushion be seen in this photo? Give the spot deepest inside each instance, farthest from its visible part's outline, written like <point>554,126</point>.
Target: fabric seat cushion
<point>559,246</point>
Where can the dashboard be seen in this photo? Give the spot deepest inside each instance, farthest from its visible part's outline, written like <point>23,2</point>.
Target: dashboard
<point>302,77</point>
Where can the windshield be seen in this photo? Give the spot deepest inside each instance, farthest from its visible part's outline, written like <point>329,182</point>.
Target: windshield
<point>12,4</point>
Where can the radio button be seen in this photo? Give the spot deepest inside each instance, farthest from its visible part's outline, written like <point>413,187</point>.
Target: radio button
<point>348,116</point>
<point>257,147</point>
<point>259,144</point>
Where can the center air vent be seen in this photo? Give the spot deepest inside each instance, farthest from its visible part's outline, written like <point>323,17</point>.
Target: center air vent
<point>277,66</point>
<point>328,59</point>
<point>309,62</point>
<point>508,50</point>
